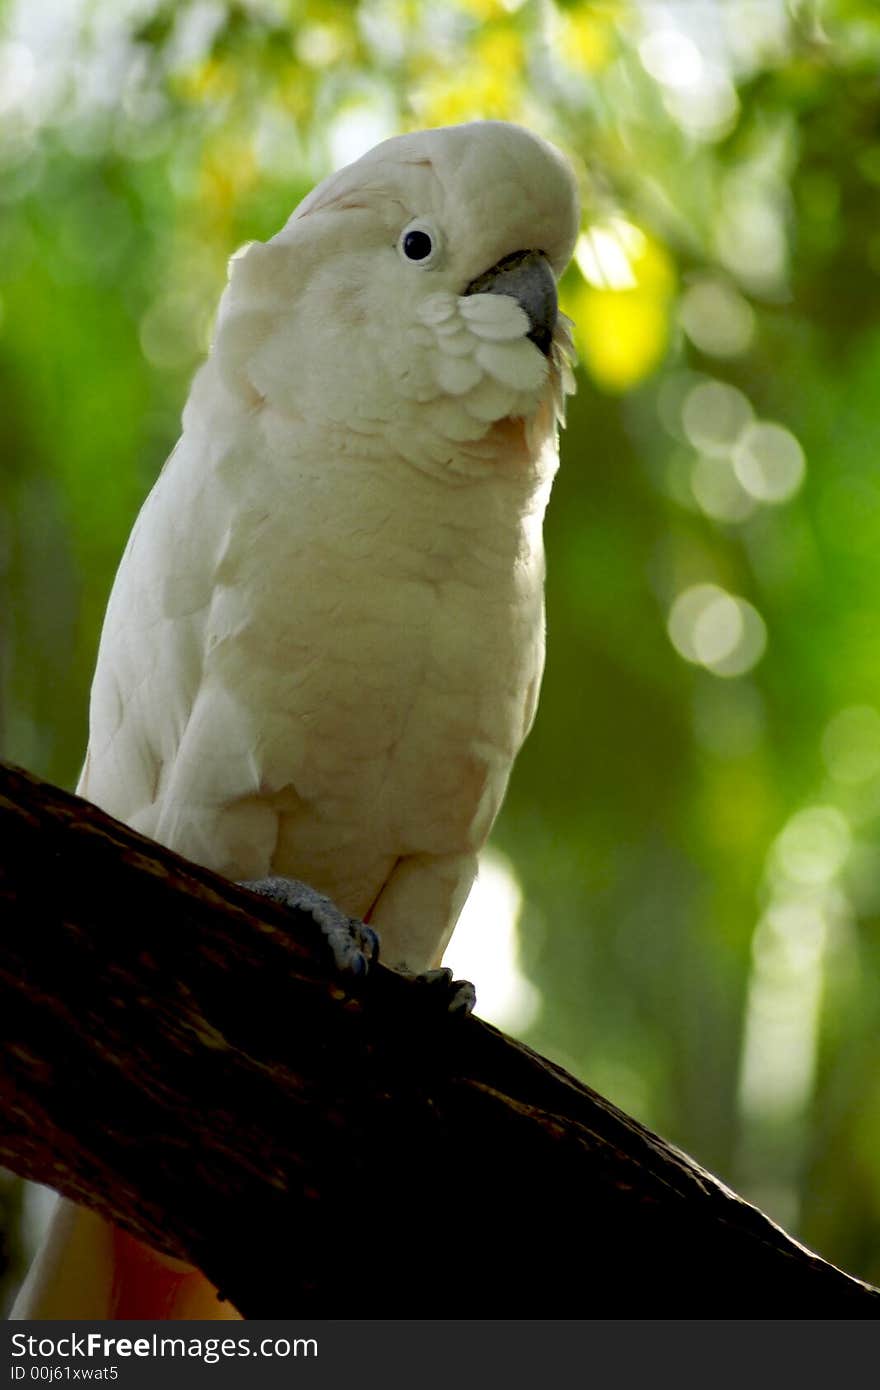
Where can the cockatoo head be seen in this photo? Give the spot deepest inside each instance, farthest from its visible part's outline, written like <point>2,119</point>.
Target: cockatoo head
<point>414,291</point>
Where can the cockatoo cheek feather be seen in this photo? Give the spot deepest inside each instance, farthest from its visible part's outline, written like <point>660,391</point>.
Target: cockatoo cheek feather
<point>378,350</point>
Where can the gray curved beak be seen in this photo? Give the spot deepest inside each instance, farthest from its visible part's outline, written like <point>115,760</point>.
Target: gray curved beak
<point>525,276</point>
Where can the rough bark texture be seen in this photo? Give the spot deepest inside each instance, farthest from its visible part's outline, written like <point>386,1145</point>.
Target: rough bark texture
<point>176,1054</point>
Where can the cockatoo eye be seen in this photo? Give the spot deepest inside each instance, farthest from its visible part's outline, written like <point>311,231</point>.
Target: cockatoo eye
<point>420,244</point>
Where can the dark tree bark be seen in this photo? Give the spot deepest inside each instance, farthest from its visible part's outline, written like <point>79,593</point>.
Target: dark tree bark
<point>177,1054</point>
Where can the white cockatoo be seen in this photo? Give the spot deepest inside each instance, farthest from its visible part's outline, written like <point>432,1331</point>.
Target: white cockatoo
<point>324,644</point>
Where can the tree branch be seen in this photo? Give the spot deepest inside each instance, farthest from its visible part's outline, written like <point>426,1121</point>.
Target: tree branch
<point>175,1054</point>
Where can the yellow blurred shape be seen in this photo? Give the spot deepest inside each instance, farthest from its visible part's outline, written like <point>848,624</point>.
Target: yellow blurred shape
<point>210,80</point>
<point>501,50</point>
<point>621,339</point>
<point>585,37</point>
<point>295,91</point>
<point>484,9</point>
<point>229,168</point>
<point>622,310</point>
<point>476,93</point>
<point>487,85</point>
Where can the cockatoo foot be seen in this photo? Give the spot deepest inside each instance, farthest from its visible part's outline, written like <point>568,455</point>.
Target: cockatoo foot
<point>459,996</point>
<point>353,943</point>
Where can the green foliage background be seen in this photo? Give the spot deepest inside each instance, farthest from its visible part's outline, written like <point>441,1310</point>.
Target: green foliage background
<point>698,840</point>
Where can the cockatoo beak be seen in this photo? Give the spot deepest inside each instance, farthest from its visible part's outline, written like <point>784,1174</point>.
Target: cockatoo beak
<point>525,276</point>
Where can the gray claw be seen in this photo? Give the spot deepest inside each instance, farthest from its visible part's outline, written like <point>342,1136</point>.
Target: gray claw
<point>460,995</point>
<point>353,943</point>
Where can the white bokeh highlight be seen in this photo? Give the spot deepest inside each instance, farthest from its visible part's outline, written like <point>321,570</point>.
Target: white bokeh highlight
<point>720,631</point>
<point>485,948</point>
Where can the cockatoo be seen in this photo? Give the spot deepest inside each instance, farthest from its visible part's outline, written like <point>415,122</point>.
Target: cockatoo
<point>324,644</point>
